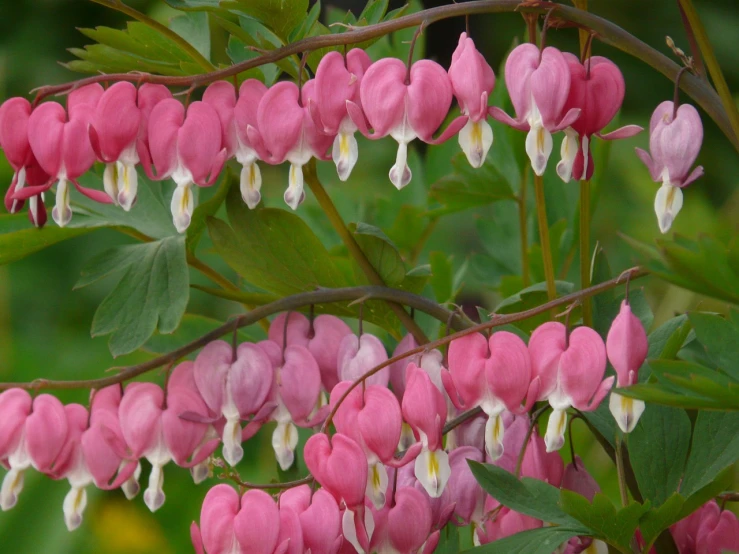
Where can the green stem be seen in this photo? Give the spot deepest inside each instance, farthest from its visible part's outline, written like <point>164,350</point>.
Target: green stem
<point>546,249</point>
<point>523,227</point>
<point>621,472</point>
<point>418,248</point>
<point>324,200</point>
<point>714,69</point>
<point>163,29</point>
<point>587,313</point>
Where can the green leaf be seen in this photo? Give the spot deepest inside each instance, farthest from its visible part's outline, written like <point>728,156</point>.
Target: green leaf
<point>238,52</point>
<point>531,497</point>
<point>658,450</point>
<point>282,16</point>
<point>206,210</point>
<point>703,265</point>
<point>616,527</point>
<point>469,188</point>
<point>715,446</point>
<point>544,540</point>
<point>449,540</point>
<point>721,340</point>
<point>665,341</point>
<point>374,11</point>
<point>193,326</point>
<point>273,249</point>
<point>380,251</point>
<point>20,239</point>
<point>658,519</point>
<point>194,28</point>
<point>152,294</point>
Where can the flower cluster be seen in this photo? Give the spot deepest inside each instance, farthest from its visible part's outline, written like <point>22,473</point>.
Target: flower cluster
<point>124,126</point>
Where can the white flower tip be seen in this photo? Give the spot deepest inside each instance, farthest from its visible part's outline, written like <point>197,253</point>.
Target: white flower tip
<point>200,472</point>
<point>182,207</point>
<point>131,488</point>
<point>475,139</point>
<point>555,436</point>
<point>400,178</point>
<point>667,204</point>
<point>251,184</point>
<point>294,194</point>
<point>432,471</point>
<point>626,411</point>
<point>494,430</point>
<point>62,212</point>
<point>128,186</point>
<point>539,148</point>
<point>110,181</point>
<point>349,530</point>
<point>11,489</point>
<point>154,493</point>
<point>345,153</point>
<point>233,452</point>
<point>74,506</point>
<point>377,482</point>
<point>284,442</point>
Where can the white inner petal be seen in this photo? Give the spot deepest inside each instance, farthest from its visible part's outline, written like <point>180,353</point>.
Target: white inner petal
<point>432,470</point>
<point>345,153</point>
<point>183,204</point>
<point>667,203</point>
<point>284,442</point>
<point>475,139</point>
<point>377,484</point>
<point>251,184</point>
<point>626,411</point>
<point>62,212</point>
<point>555,436</point>
<point>568,151</point>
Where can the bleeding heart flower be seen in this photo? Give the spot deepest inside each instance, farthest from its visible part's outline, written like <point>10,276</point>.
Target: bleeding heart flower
<point>709,530</point>
<point>14,116</point>
<point>597,89</point>
<point>626,346</point>
<point>571,367</point>
<point>63,150</point>
<point>186,147</point>
<point>494,374</point>
<point>286,131</point>
<point>472,81</point>
<point>235,385</point>
<point>405,104</point>
<point>359,354</point>
<point>15,407</point>
<point>675,138</point>
<point>319,517</point>
<point>321,337</point>
<point>539,84</point>
<point>424,409</point>
<point>340,466</point>
<point>338,81</point>
<point>403,526</point>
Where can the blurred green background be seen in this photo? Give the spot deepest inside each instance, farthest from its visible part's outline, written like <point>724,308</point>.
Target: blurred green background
<point>44,324</point>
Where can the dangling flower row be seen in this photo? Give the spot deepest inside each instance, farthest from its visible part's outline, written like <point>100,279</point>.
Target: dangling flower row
<point>123,127</point>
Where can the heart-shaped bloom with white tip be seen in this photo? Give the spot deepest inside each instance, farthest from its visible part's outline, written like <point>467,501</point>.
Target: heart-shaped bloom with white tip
<point>405,104</point>
<point>675,138</point>
<point>472,81</point>
<point>571,367</point>
<point>186,146</point>
<point>538,83</point>
<point>337,81</point>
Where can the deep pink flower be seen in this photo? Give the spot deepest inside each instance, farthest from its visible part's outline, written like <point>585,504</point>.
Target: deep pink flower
<point>424,409</point>
<point>15,407</point>
<point>571,369</point>
<point>505,523</point>
<point>186,146</point>
<point>597,88</point>
<point>709,530</point>
<point>322,338</point>
<point>286,131</point>
<point>338,80</point>
<point>494,374</point>
<point>14,116</point>
<point>236,116</point>
<point>404,525</point>
<point>236,386</point>
<point>63,150</point>
<point>626,346</point>
<point>295,393</point>
<point>405,105</point>
<point>538,84</point>
<point>472,81</point>
<point>674,141</point>
<point>340,466</point>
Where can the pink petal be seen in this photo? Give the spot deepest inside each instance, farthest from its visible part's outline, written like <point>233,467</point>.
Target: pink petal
<point>14,116</point>
<point>499,115</point>
<point>358,355</point>
<point>250,378</point>
<point>291,533</point>
<point>467,356</point>
<point>397,369</point>
<point>212,366</point>
<point>582,366</point>
<point>520,65</point>
<point>423,407</point>
<point>97,195</point>
<point>221,95</point>
<point>245,111</point>
<point>257,525</point>
<point>546,345</point>
<point>380,421</point>
<point>81,102</point>
<point>45,135</point>
<point>429,98</point>
<point>15,406</point>
<point>166,119</point>
<point>627,131</point>
<point>46,431</point>
<point>140,416</point>
<point>183,437</point>
<point>471,77</point>
<point>321,523</point>
<point>644,156</point>
<point>116,120</point>
<point>508,368</point>
<point>299,382</point>
<point>409,520</point>
<point>626,345</point>
<point>383,94</point>
<point>347,414</point>
<point>328,331</point>
<point>550,86</point>
<point>280,120</point>
<point>199,143</point>
<point>217,515</point>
